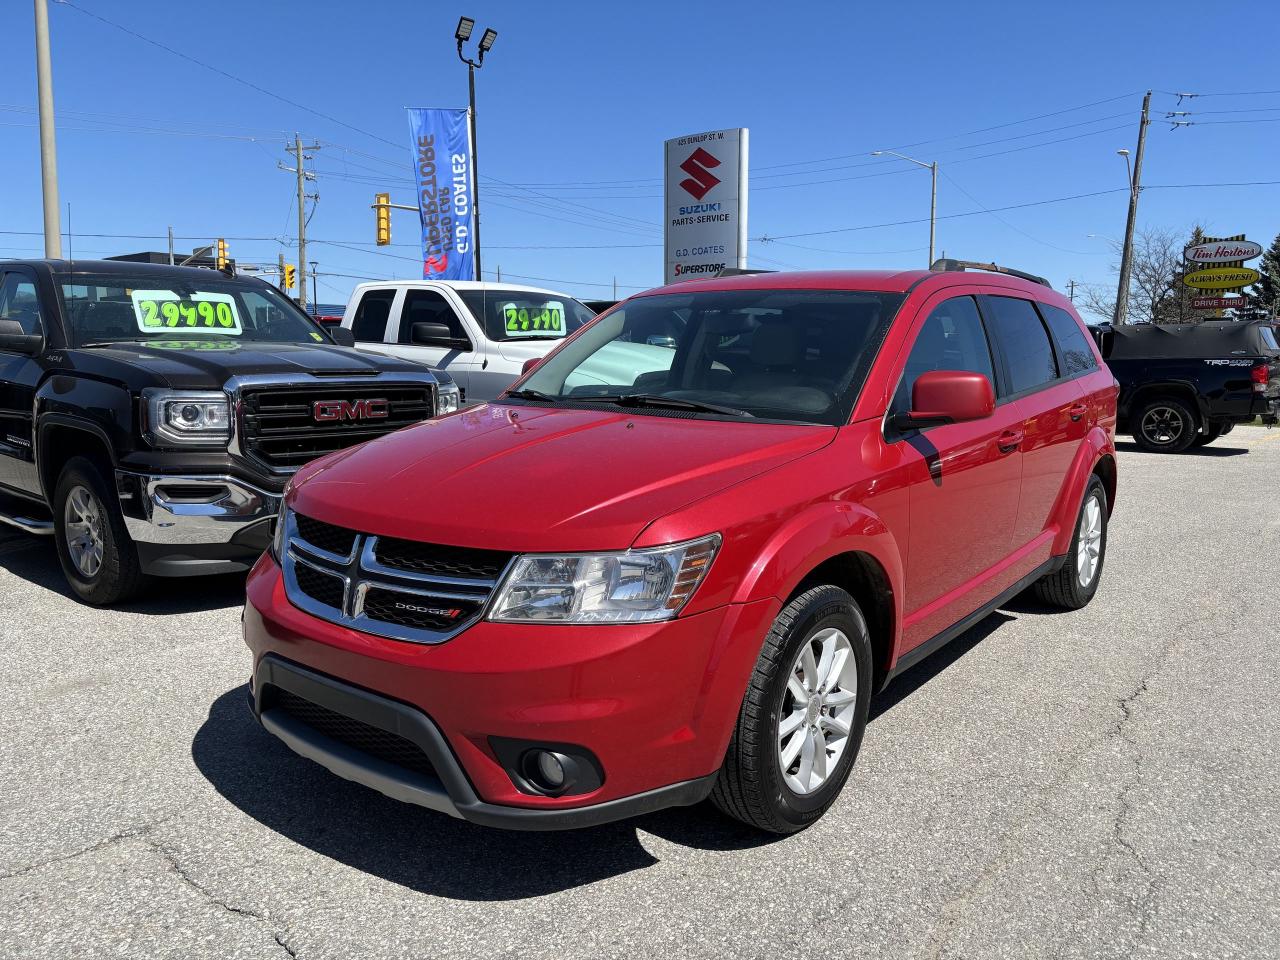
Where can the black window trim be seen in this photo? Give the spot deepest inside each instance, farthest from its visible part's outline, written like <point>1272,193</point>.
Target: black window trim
<point>1004,394</point>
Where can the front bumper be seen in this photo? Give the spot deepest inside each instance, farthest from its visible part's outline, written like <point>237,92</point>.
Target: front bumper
<point>196,524</point>
<point>655,704</point>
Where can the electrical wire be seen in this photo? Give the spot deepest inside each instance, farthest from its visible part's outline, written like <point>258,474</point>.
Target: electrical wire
<point>1044,243</point>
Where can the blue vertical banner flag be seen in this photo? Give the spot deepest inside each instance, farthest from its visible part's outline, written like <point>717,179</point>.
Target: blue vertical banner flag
<point>445,175</point>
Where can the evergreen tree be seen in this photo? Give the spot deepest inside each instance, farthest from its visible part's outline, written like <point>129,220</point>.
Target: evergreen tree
<point>1264,296</point>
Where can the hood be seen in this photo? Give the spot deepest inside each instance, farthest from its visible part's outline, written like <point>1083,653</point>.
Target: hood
<point>535,479</point>
<point>205,365</point>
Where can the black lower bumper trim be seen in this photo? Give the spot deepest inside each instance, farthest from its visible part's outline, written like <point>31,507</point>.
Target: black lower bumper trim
<point>448,791</point>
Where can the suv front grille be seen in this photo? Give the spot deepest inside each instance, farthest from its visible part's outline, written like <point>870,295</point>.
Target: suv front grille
<point>279,426</point>
<point>400,589</point>
<point>357,734</point>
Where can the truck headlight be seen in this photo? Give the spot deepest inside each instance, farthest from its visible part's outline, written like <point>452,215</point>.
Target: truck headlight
<point>635,586</point>
<point>186,418</point>
<point>448,398</point>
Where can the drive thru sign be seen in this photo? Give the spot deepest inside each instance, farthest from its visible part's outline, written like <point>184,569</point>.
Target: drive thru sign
<point>705,213</point>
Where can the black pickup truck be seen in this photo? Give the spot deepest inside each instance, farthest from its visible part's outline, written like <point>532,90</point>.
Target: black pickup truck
<point>1184,385</point>
<point>150,416</point>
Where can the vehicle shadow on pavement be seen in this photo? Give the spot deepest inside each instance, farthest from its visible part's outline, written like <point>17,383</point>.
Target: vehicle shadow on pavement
<point>425,851</point>
<point>924,671</point>
<point>1205,451</point>
<point>35,560</point>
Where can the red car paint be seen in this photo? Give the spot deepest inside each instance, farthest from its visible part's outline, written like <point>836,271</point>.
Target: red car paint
<point>656,702</point>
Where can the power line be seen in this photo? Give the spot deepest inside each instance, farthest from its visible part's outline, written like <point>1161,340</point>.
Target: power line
<point>1045,243</point>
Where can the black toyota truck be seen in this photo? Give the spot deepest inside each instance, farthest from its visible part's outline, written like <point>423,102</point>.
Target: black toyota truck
<point>1184,385</point>
<point>150,416</point>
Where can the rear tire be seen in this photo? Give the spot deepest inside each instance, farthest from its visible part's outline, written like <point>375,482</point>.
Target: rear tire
<point>800,727</point>
<point>1073,585</point>
<point>97,554</point>
<point>1164,425</point>
<point>1212,433</point>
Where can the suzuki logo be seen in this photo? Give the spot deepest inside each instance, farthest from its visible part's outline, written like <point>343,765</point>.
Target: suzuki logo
<point>701,180</point>
<point>326,410</point>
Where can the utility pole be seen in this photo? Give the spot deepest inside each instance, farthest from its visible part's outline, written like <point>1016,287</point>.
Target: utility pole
<point>48,144</point>
<point>1135,187</point>
<point>299,156</point>
<point>280,282</point>
<point>171,246</point>
<point>1071,290</point>
<point>315,297</point>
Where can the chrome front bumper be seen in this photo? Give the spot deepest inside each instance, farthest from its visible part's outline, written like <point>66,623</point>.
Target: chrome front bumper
<point>191,510</point>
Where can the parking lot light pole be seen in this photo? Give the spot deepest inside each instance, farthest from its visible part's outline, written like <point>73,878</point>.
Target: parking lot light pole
<point>465,26</point>
<point>48,145</point>
<point>933,195</point>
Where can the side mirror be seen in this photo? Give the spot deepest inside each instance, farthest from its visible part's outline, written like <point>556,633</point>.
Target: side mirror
<point>947,396</point>
<point>437,335</point>
<point>342,336</point>
<point>13,340</point>
<point>529,365</point>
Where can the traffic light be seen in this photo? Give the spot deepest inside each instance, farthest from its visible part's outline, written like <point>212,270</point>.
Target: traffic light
<point>222,254</point>
<point>290,272</point>
<point>382,206</point>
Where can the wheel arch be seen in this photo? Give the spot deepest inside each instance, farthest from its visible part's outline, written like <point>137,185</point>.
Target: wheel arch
<point>864,578</point>
<point>61,438</point>
<point>1176,389</point>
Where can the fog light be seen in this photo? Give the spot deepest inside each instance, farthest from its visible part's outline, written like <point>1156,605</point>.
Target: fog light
<point>550,770</point>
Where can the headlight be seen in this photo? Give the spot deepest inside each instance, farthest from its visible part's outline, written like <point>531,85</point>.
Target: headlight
<point>448,398</point>
<point>183,418</point>
<point>636,586</point>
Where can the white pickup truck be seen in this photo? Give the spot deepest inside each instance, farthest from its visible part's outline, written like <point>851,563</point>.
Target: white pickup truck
<point>482,333</point>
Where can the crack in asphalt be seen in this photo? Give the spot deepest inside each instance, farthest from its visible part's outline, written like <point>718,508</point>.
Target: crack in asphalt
<point>133,833</point>
<point>177,868</point>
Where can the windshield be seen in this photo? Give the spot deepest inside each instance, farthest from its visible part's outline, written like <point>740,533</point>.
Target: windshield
<point>793,355</point>
<point>521,315</point>
<point>154,306</point>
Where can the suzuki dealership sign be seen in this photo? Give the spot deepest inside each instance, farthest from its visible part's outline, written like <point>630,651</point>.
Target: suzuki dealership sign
<point>444,174</point>
<point>705,215</point>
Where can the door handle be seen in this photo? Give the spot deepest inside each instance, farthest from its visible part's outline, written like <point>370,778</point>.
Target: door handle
<point>1077,410</point>
<point>1009,440</point>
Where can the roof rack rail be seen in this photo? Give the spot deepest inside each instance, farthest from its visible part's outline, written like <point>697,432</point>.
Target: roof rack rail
<point>739,272</point>
<point>947,265</point>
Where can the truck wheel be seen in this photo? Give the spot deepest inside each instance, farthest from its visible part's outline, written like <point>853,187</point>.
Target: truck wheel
<point>1164,425</point>
<point>1212,432</point>
<point>1073,585</point>
<point>97,554</point>
<point>803,715</point>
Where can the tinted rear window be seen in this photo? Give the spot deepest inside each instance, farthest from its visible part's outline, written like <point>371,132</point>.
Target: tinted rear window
<point>1077,357</point>
<point>1023,340</point>
<point>370,322</point>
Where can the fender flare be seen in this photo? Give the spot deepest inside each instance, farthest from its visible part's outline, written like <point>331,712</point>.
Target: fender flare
<point>1182,389</point>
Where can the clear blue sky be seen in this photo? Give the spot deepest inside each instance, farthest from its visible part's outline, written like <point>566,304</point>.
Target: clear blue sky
<point>577,93</point>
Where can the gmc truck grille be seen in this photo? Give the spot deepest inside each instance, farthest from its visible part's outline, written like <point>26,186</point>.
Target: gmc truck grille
<point>400,589</point>
<point>286,427</point>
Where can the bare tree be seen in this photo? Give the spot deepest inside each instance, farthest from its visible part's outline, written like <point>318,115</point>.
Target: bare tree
<point>1153,289</point>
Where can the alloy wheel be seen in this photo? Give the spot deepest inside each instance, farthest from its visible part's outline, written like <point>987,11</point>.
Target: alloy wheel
<point>1089,542</point>
<point>83,522</point>
<point>817,710</point>
<point>1162,425</point>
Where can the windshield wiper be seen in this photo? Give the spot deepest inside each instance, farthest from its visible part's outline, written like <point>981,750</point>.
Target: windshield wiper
<point>531,395</point>
<point>658,401</point>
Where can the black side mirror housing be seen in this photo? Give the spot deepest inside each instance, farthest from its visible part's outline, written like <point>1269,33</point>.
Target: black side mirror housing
<point>342,336</point>
<point>28,343</point>
<point>437,335</point>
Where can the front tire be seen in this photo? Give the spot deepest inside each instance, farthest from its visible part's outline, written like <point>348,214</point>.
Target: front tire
<point>97,554</point>
<point>1164,425</point>
<point>803,716</point>
<point>1073,585</point>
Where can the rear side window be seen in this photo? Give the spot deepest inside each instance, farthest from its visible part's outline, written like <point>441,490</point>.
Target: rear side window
<point>370,322</point>
<point>952,338</point>
<point>1077,357</point>
<point>1023,342</point>
<point>427,306</point>
<point>1269,338</point>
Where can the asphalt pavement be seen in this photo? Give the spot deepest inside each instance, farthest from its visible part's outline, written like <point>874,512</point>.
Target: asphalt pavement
<point>1103,783</point>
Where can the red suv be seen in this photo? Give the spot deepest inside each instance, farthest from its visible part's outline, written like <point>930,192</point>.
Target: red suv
<point>681,555</point>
